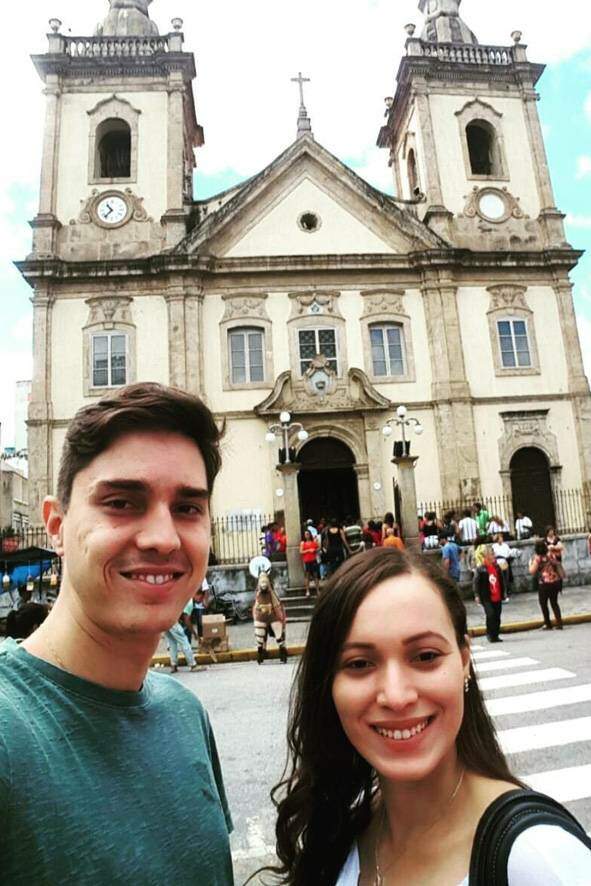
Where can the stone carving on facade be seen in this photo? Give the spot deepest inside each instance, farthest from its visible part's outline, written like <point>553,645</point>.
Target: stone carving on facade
<point>109,311</point>
<point>138,213</point>
<point>472,207</point>
<point>382,302</point>
<point>355,393</point>
<point>310,304</point>
<point>503,298</point>
<point>524,429</point>
<point>248,307</point>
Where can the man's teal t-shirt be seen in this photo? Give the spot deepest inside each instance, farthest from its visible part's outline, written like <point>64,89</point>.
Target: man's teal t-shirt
<point>99,787</point>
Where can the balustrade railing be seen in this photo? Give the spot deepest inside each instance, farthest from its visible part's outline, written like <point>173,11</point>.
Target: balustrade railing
<point>115,47</point>
<point>467,54</point>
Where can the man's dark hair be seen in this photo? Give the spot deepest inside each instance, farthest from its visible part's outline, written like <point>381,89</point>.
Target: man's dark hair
<point>138,407</point>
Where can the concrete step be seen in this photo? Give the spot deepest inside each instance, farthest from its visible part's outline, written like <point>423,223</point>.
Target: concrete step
<point>304,612</point>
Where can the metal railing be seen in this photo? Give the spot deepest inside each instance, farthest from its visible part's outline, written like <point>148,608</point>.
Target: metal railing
<point>572,509</point>
<point>237,539</point>
<point>467,54</point>
<point>114,47</point>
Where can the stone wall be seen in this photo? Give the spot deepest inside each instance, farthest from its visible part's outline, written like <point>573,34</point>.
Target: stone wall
<point>237,580</point>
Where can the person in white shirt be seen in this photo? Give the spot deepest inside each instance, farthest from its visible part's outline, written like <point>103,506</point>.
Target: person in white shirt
<point>468,528</point>
<point>394,760</point>
<point>523,526</point>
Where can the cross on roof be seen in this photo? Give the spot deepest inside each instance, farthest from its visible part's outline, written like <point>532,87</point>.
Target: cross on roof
<point>301,80</point>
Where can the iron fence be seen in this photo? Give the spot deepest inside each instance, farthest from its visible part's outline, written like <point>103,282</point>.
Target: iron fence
<point>239,538</point>
<point>572,508</point>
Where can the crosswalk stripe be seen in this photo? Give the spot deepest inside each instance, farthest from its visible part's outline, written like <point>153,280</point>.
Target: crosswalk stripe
<point>525,678</point>
<point>545,735</point>
<point>539,701</point>
<point>489,653</point>
<point>505,664</point>
<point>565,785</point>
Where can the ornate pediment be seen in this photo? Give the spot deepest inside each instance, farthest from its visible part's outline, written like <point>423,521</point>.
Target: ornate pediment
<point>314,304</point>
<point>247,307</point>
<point>355,393</point>
<point>504,297</point>
<point>382,302</point>
<point>109,311</point>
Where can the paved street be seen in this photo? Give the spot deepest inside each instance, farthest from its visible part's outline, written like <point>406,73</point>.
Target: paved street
<point>538,687</point>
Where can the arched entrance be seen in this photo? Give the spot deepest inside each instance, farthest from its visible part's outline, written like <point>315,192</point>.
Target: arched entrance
<point>531,487</point>
<point>327,480</point>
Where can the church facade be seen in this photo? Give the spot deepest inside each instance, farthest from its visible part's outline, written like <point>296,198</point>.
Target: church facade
<point>306,290</point>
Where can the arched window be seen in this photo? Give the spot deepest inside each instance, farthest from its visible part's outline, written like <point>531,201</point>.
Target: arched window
<point>481,147</point>
<point>113,149</point>
<point>413,175</point>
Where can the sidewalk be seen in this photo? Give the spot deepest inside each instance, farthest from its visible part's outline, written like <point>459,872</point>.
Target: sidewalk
<point>522,613</point>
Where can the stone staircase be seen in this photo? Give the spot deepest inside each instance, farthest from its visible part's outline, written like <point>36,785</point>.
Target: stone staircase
<point>297,606</point>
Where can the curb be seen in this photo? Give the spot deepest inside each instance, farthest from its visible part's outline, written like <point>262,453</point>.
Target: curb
<point>242,655</point>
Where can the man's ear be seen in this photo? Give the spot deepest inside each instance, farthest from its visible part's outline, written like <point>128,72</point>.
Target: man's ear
<point>53,517</point>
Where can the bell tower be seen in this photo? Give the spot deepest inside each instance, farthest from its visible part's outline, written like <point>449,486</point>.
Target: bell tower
<point>120,134</point>
<point>463,129</point>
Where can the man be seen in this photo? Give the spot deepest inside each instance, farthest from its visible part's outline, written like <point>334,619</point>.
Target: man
<point>468,528</point>
<point>354,535</point>
<point>523,526</point>
<point>482,518</point>
<point>450,557</point>
<point>108,772</point>
<point>392,540</point>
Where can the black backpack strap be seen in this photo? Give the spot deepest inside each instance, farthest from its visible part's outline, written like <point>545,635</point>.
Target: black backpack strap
<point>504,820</point>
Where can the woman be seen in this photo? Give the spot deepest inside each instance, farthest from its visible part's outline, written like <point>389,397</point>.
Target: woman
<point>503,556</point>
<point>269,617</point>
<point>430,531</point>
<point>334,546</point>
<point>394,758</point>
<point>554,544</point>
<point>489,593</point>
<point>388,523</point>
<point>308,553</point>
<point>545,568</point>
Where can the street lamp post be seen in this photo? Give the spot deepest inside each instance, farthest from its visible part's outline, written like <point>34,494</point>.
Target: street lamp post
<point>405,462</point>
<point>289,468</point>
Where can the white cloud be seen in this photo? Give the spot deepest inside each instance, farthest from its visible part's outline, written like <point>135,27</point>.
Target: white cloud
<point>578,221</point>
<point>588,106</point>
<point>583,166</point>
<point>16,364</point>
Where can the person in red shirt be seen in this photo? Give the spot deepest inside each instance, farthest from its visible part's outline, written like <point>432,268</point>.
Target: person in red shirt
<point>489,593</point>
<point>280,540</point>
<point>309,551</point>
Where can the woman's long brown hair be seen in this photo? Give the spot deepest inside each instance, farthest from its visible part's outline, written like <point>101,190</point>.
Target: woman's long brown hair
<point>324,800</point>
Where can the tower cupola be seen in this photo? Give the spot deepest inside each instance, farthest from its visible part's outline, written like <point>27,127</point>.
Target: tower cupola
<point>444,24</point>
<point>128,18</point>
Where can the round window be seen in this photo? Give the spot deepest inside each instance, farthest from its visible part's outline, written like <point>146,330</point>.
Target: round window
<point>492,206</point>
<point>309,222</point>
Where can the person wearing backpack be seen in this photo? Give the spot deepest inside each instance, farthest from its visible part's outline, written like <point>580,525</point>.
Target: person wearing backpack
<point>547,569</point>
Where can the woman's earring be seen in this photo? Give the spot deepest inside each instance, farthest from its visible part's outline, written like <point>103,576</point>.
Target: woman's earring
<point>467,684</point>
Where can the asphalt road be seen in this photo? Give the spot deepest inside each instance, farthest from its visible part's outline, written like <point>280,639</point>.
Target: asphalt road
<point>538,686</point>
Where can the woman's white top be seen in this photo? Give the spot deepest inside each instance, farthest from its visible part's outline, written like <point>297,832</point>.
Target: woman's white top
<point>543,855</point>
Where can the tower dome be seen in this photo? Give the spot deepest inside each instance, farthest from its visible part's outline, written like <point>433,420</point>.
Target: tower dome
<point>128,18</point>
<point>444,24</point>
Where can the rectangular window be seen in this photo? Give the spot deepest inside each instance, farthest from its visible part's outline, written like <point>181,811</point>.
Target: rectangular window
<point>247,361</point>
<point>109,361</point>
<point>387,350</point>
<point>514,343</point>
<point>317,341</point>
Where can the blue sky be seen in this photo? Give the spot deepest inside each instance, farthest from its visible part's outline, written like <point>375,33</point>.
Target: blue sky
<point>248,108</point>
